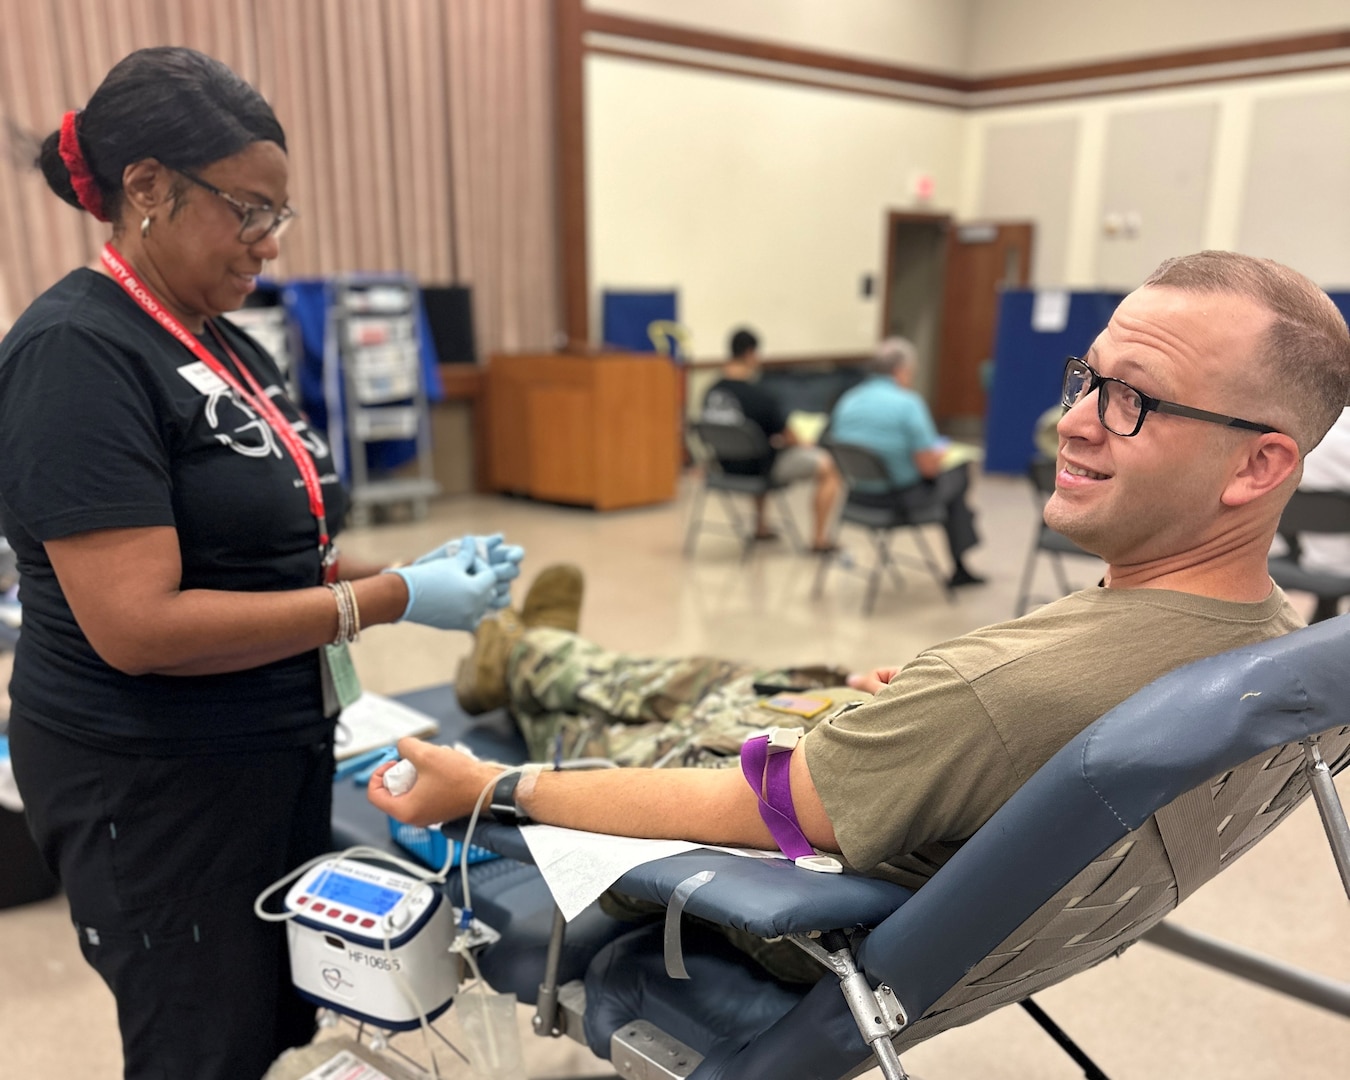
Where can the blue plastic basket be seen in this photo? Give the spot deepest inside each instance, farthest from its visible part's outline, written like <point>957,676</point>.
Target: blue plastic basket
<point>428,846</point>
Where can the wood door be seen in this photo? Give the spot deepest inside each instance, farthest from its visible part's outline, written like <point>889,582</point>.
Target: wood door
<point>982,259</point>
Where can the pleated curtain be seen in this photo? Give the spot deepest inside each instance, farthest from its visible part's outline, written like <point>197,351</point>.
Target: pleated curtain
<point>420,135</point>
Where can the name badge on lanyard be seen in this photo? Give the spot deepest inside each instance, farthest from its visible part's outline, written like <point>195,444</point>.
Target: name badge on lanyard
<point>341,686</point>
<point>209,375</point>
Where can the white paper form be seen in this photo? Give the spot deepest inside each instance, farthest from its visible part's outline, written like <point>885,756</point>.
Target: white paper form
<point>372,721</point>
<point>1050,310</point>
<point>578,866</point>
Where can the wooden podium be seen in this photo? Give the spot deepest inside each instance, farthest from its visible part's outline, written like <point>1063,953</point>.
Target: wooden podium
<point>596,429</point>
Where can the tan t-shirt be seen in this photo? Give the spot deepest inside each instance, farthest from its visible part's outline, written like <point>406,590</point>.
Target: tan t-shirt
<point>910,775</point>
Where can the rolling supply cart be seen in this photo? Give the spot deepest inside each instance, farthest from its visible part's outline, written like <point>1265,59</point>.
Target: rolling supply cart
<point>270,325</point>
<point>375,391</point>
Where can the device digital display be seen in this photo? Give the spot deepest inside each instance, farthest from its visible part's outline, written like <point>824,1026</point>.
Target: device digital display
<point>354,893</point>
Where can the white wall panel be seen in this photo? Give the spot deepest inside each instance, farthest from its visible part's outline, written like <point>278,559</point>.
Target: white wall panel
<point>1156,183</point>
<point>1027,173</point>
<point>1297,204</point>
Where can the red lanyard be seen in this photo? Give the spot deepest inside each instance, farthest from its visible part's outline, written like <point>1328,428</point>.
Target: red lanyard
<point>254,395</point>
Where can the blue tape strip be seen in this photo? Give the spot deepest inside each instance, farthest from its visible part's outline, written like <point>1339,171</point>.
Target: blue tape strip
<point>362,766</point>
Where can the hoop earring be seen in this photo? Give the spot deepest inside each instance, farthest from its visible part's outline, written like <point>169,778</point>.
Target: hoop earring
<point>146,222</point>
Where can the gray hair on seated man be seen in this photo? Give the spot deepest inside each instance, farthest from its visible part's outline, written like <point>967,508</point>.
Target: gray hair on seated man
<point>895,354</point>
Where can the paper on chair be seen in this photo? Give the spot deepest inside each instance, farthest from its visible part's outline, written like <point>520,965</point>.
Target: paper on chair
<point>372,721</point>
<point>808,427</point>
<point>958,453</point>
<point>578,866</point>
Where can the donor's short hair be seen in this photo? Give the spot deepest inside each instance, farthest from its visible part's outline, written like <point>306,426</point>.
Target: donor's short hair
<point>1304,361</point>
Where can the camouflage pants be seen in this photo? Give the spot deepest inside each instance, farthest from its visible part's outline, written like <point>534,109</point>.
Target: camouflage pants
<point>572,698</point>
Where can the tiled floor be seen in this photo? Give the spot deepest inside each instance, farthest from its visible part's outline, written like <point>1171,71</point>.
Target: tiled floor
<point>1148,1014</point>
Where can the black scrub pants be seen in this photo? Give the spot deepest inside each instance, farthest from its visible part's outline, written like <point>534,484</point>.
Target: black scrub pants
<point>161,859</point>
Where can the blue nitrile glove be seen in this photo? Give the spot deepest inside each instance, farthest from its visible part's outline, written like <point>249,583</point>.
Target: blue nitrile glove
<point>503,559</point>
<point>505,562</point>
<point>450,593</point>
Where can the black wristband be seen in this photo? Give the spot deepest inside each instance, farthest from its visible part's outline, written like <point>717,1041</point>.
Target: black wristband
<point>502,806</point>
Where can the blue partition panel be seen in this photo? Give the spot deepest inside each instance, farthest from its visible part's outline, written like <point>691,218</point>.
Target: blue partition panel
<point>1028,365</point>
<point>626,314</point>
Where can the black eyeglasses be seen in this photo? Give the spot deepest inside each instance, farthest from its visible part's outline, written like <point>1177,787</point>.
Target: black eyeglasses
<point>1121,408</point>
<point>256,223</point>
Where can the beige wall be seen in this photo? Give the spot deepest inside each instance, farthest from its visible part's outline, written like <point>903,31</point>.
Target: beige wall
<point>1016,35</point>
<point>762,203</point>
<point>918,33</point>
<point>984,37</point>
<point>1257,165</point>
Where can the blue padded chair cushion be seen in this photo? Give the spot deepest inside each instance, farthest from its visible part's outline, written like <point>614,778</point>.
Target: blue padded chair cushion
<point>512,898</point>
<point>726,996</point>
<point>767,897</point>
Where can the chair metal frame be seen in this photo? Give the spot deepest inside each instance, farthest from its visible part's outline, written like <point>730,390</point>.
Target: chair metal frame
<point>710,445</point>
<point>879,508</point>
<point>1313,512</point>
<point>1041,473</point>
<point>1088,856</point>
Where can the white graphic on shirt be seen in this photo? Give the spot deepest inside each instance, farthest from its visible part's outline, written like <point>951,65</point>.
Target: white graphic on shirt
<point>254,437</point>
<point>722,407</point>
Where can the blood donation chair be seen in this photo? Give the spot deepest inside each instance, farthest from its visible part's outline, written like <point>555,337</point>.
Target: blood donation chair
<point>1090,855</point>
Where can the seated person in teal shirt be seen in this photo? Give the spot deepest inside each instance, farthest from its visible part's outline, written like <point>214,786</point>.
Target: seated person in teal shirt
<point>884,415</point>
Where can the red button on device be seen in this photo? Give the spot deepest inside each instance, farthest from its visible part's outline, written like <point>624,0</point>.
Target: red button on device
<point>349,918</point>
<point>367,923</point>
<point>333,913</point>
<point>317,909</point>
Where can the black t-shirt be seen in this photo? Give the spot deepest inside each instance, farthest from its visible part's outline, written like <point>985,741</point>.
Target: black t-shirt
<point>729,401</point>
<point>107,422</point>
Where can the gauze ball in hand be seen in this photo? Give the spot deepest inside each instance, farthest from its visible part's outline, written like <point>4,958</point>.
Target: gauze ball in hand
<point>399,779</point>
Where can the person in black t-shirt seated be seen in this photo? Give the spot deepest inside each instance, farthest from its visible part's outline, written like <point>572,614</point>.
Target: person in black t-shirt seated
<point>186,616</point>
<point>734,398</point>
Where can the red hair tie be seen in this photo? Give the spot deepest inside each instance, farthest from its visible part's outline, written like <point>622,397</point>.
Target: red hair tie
<point>81,179</point>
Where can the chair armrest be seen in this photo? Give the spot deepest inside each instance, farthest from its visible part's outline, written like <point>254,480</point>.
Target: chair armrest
<point>766,897</point>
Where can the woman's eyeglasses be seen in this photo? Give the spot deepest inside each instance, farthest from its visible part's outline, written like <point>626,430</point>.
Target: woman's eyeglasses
<point>256,223</point>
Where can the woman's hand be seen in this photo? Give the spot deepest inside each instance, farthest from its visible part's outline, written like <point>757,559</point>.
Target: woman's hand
<point>452,592</point>
<point>503,559</point>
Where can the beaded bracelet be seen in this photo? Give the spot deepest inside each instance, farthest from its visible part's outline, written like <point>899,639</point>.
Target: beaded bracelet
<point>349,614</point>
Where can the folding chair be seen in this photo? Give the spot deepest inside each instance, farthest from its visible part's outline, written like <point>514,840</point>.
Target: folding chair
<point>878,505</point>
<point>1041,473</point>
<point>713,445</point>
<point>1091,854</point>
<point>1313,512</point>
